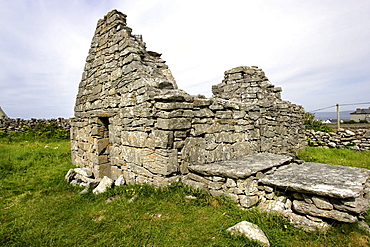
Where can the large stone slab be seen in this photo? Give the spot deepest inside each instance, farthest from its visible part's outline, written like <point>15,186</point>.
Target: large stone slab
<point>321,179</point>
<point>242,167</point>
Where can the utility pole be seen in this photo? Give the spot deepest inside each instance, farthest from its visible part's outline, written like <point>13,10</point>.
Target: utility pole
<point>338,116</point>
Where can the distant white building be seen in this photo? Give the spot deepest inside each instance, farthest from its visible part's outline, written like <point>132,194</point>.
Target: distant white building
<point>360,114</point>
<point>2,114</point>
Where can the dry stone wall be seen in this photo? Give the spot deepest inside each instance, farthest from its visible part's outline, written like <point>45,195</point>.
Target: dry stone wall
<point>19,124</point>
<point>131,119</point>
<point>355,139</point>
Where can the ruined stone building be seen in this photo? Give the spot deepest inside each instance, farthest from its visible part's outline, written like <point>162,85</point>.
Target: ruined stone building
<point>131,119</point>
<point>133,125</point>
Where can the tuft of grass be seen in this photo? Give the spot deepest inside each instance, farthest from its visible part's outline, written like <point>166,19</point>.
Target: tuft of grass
<point>38,208</point>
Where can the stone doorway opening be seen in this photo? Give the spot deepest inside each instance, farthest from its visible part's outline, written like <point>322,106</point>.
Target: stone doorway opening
<point>103,146</point>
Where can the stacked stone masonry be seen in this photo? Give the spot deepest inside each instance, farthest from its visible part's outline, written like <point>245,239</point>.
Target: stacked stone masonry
<point>19,124</point>
<point>355,139</point>
<point>133,125</point>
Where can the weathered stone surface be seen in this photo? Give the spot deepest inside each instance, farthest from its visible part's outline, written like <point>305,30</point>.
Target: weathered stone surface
<point>322,203</point>
<point>307,224</point>
<point>174,123</point>
<point>104,184</point>
<point>248,201</point>
<point>321,179</point>
<point>120,181</point>
<point>251,231</point>
<point>311,209</point>
<point>242,167</point>
<point>357,205</point>
<point>277,205</point>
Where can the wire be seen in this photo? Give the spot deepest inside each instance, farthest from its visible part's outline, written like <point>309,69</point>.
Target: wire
<point>357,103</point>
<point>323,108</point>
<point>364,103</point>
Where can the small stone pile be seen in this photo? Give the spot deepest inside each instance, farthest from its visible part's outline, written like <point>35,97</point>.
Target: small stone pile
<point>357,139</point>
<point>85,178</point>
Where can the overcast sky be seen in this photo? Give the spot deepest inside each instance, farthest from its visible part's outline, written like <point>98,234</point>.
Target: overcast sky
<point>317,51</point>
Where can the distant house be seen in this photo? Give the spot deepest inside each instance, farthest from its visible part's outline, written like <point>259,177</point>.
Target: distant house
<point>360,114</point>
<point>2,114</point>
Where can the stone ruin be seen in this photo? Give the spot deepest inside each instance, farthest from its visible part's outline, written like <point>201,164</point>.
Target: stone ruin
<point>133,125</point>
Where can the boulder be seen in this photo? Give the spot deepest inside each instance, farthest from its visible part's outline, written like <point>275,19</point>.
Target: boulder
<point>251,231</point>
<point>104,184</point>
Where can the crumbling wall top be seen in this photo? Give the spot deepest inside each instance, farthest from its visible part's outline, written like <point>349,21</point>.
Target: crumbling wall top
<point>246,84</point>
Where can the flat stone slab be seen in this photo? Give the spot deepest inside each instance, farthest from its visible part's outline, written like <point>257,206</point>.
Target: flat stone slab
<point>242,167</point>
<point>321,179</point>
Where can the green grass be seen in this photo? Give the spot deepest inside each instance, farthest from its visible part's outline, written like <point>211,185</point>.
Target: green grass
<point>38,208</point>
<point>334,156</point>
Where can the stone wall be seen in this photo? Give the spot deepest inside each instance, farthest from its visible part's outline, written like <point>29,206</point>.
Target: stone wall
<point>355,139</point>
<point>131,119</point>
<point>17,124</point>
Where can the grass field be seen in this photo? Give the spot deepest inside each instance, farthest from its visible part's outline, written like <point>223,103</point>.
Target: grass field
<point>38,208</point>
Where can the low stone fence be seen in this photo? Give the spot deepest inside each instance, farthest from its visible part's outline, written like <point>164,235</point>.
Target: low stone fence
<point>17,124</point>
<point>354,139</point>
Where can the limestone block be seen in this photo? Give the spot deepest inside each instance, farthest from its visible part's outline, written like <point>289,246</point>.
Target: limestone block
<point>242,167</point>
<point>161,139</point>
<point>230,183</point>
<point>200,129</point>
<point>276,205</point>
<point>249,186</point>
<point>129,176</point>
<point>141,110</point>
<point>160,161</point>
<point>321,179</point>
<point>193,150</point>
<point>311,209</point>
<point>194,184</point>
<point>322,203</point>
<point>307,224</point>
<point>137,169</point>
<point>173,105</point>
<point>173,123</point>
<point>248,201</point>
<point>201,102</point>
<point>251,231</point>
<point>224,114</point>
<point>120,181</point>
<point>134,138</point>
<point>104,184</point>
<point>115,172</point>
<point>357,205</point>
<point>180,134</point>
